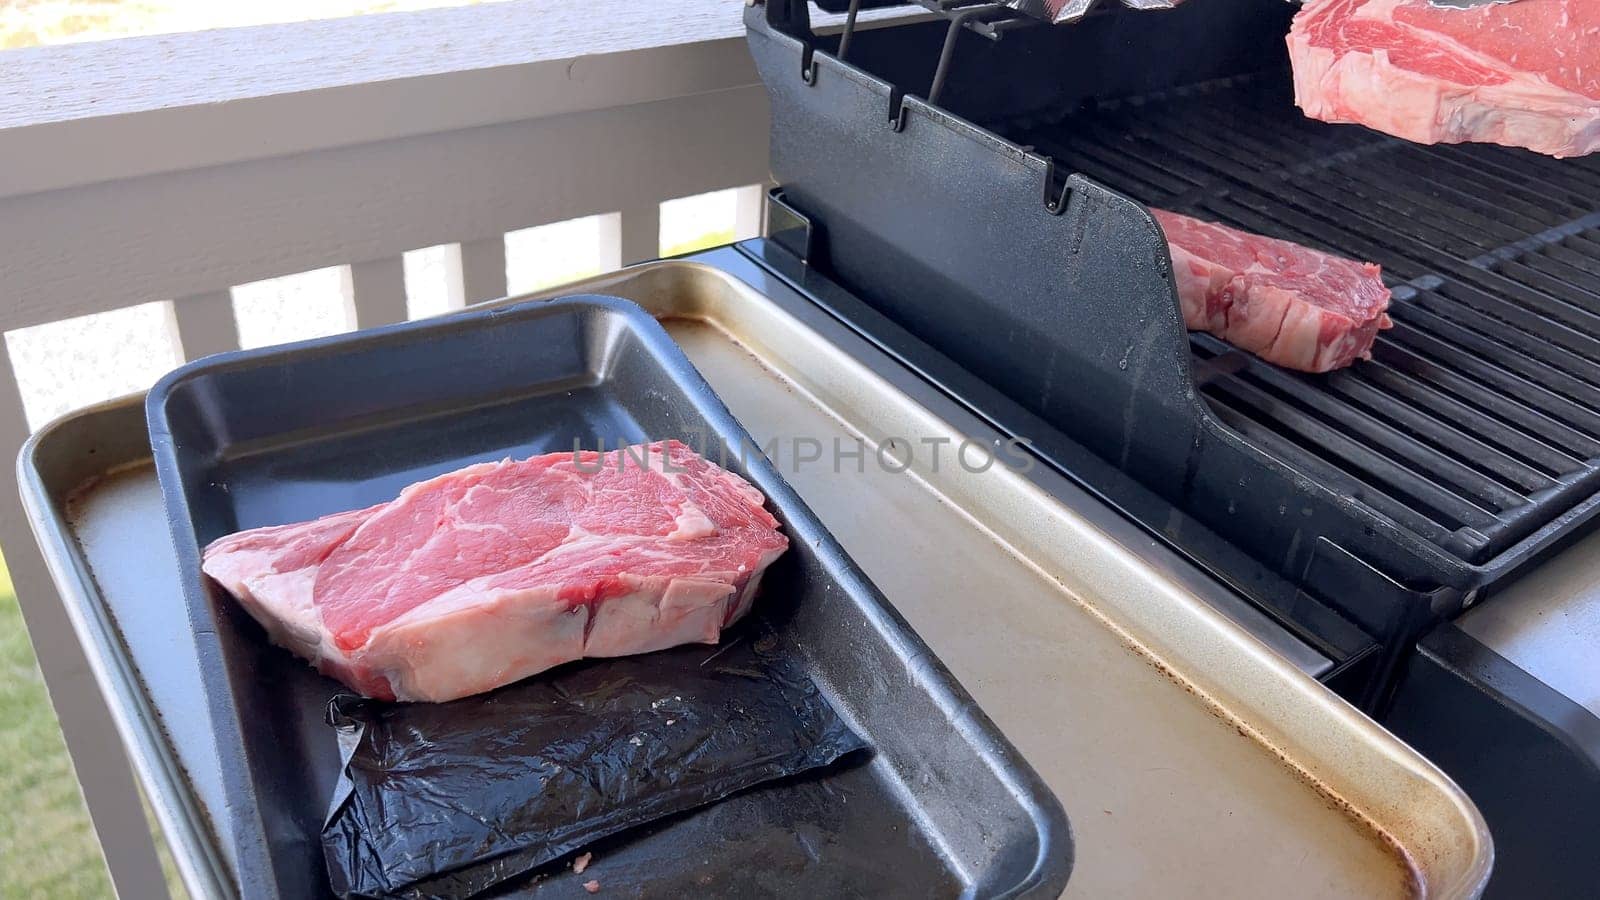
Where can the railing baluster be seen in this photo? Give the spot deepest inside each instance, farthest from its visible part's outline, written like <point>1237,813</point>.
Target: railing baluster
<point>101,766</point>
<point>378,291</point>
<point>639,236</point>
<point>748,209</point>
<point>610,238</point>
<point>204,324</point>
<point>483,269</point>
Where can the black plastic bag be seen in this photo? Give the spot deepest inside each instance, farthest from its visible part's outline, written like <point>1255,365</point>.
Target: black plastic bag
<point>450,799</point>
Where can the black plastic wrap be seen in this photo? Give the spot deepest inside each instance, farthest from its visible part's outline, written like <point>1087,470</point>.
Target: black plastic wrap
<point>450,799</point>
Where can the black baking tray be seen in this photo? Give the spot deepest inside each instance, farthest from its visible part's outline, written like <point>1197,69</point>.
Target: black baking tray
<point>945,806</point>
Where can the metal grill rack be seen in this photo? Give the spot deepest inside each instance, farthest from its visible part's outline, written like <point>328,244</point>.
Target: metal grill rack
<point>1478,419</point>
<point>983,17</point>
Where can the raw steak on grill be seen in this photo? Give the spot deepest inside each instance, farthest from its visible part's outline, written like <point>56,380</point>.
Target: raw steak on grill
<point>1525,74</point>
<point>488,574</point>
<point>1290,305</point>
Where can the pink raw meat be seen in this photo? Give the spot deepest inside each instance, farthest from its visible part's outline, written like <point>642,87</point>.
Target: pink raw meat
<point>1288,304</point>
<point>1524,74</point>
<point>494,572</point>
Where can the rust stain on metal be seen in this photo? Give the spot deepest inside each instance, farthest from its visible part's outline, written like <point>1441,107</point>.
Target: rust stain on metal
<point>72,502</point>
<point>1413,882</point>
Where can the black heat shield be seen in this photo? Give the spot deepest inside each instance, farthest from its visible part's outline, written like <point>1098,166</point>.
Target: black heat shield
<point>1057,291</point>
<point>424,810</point>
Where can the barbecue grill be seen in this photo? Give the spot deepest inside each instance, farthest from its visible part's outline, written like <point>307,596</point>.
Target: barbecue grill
<point>968,191</point>
<point>959,251</point>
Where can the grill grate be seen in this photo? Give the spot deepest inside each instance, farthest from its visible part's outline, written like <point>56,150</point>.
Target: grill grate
<point>1478,419</point>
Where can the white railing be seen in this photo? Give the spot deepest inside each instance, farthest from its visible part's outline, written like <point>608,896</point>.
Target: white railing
<point>172,169</point>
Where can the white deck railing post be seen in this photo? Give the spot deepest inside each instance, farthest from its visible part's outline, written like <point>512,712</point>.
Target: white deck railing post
<point>639,235</point>
<point>483,269</point>
<point>204,324</point>
<point>749,209</point>
<point>378,291</point>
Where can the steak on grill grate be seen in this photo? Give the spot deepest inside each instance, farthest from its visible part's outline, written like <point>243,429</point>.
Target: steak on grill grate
<point>1524,74</point>
<point>483,576</point>
<point>1290,305</point>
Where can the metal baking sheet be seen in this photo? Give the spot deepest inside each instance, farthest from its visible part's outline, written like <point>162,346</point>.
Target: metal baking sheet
<point>943,801</point>
<point>1193,759</point>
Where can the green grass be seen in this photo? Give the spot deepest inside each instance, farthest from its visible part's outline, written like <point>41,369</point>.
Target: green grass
<point>702,242</point>
<point>47,848</point>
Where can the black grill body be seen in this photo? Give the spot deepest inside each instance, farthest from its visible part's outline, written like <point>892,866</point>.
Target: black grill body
<point>998,240</point>
<point>1004,227</point>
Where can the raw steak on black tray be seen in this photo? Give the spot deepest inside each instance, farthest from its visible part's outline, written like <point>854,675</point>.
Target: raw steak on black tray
<point>491,573</point>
